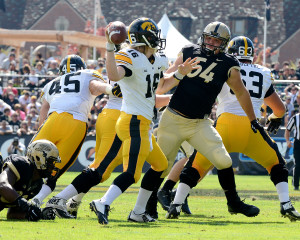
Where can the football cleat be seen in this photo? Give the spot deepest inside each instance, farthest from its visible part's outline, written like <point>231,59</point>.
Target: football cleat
<point>101,211</point>
<point>287,210</point>
<point>36,202</point>
<point>59,207</point>
<point>143,217</point>
<point>174,211</point>
<point>239,206</point>
<point>164,198</point>
<point>72,207</point>
<point>151,207</point>
<point>185,206</point>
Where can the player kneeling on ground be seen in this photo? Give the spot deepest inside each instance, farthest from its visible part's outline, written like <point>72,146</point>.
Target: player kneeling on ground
<point>21,178</point>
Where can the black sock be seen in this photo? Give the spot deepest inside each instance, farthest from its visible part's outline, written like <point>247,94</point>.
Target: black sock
<point>169,185</point>
<point>227,182</point>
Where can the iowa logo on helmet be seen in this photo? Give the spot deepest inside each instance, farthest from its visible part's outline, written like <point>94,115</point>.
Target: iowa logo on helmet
<point>148,26</point>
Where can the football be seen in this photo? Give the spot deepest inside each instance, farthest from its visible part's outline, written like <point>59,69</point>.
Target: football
<point>117,32</point>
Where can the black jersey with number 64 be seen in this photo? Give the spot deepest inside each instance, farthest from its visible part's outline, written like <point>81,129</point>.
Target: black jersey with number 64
<point>197,92</point>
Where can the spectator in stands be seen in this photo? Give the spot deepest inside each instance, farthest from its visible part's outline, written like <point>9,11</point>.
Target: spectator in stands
<point>16,147</point>
<point>53,67</point>
<point>34,114</point>
<point>26,72</point>
<point>5,128</point>
<point>275,70</point>
<point>10,88</point>
<point>285,65</point>
<point>11,100</point>
<point>22,114</point>
<point>24,100</point>
<point>39,69</point>
<point>15,122</point>
<point>6,62</point>
<point>289,106</point>
<point>286,73</point>
<point>33,103</point>
<point>6,114</point>
<point>33,80</point>
<point>292,74</point>
<point>292,91</point>
<point>24,129</point>
<point>31,124</point>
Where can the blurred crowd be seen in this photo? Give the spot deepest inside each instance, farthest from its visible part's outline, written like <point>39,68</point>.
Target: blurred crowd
<point>22,79</point>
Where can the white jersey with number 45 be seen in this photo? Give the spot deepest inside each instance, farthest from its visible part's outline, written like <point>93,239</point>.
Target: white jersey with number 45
<point>140,81</point>
<point>258,81</point>
<point>70,93</point>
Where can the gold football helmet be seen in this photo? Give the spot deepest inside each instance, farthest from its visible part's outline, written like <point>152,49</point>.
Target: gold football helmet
<point>216,30</point>
<point>44,154</point>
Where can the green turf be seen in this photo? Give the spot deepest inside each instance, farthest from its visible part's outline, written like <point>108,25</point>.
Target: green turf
<point>210,219</point>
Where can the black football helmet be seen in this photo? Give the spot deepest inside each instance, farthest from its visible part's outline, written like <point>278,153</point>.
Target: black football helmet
<point>241,47</point>
<point>217,30</point>
<point>44,154</point>
<point>145,32</point>
<point>71,63</point>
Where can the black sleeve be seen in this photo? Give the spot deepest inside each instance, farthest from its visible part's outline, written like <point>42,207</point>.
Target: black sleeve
<point>270,91</point>
<point>20,166</point>
<point>128,72</point>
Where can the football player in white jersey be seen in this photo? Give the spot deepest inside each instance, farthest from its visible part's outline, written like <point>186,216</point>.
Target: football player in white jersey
<point>139,72</point>
<point>66,103</point>
<point>233,126</point>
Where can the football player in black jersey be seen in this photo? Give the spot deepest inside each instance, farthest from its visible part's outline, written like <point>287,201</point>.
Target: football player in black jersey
<point>22,177</point>
<point>186,117</point>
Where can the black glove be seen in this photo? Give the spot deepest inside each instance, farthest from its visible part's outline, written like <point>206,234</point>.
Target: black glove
<point>48,214</point>
<point>33,213</point>
<point>116,91</point>
<point>274,124</point>
<point>255,125</point>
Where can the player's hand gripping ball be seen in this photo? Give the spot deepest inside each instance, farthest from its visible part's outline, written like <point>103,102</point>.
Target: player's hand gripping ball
<point>116,32</point>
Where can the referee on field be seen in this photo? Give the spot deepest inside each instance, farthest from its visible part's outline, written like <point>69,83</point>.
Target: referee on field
<point>294,123</point>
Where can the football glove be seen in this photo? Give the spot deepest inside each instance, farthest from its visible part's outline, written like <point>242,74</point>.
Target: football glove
<point>255,125</point>
<point>116,91</point>
<point>33,213</point>
<point>274,123</point>
<point>48,214</point>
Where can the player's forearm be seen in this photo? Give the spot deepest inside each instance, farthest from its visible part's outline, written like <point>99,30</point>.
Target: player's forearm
<point>111,67</point>
<point>166,83</point>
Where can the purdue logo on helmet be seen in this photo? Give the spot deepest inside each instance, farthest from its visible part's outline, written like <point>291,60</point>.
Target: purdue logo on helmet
<point>145,32</point>
<point>216,30</point>
<point>241,47</point>
<point>71,63</point>
<point>44,154</point>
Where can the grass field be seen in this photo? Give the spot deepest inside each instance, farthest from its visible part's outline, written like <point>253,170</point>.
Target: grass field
<point>210,219</point>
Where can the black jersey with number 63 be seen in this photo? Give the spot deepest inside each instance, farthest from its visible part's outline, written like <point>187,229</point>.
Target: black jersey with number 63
<point>197,92</point>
